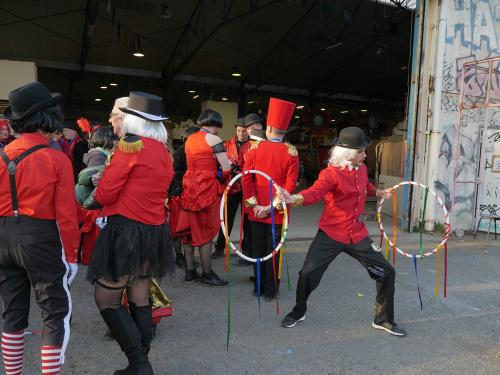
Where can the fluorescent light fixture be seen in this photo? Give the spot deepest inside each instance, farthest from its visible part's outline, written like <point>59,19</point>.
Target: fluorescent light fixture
<point>191,91</point>
<point>224,99</point>
<point>364,110</point>
<point>103,87</point>
<point>322,109</point>
<point>297,116</point>
<point>332,120</point>
<point>344,111</point>
<point>97,99</point>
<point>113,84</point>
<point>196,96</point>
<point>250,102</point>
<point>300,107</point>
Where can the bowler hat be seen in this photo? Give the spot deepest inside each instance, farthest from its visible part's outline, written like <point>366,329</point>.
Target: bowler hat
<point>252,118</point>
<point>240,122</point>
<point>29,99</point>
<point>146,106</point>
<point>352,137</point>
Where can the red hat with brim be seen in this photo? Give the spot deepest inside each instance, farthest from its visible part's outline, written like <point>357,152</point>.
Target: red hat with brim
<point>280,113</point>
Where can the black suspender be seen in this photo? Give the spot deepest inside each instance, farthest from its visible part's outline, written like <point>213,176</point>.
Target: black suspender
<point>12,168</point>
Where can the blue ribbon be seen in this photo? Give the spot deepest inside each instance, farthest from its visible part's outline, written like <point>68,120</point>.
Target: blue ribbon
<point>418,286</point>
<point>258,284</point>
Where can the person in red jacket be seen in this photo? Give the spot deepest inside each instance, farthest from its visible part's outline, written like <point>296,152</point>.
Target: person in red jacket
<point>280,161</point>
<point>38,229</point>
<point>135,245</point>
<point>236,149</point>
<point>202,187</point>
<point>5,133</point>
<point>344,186</point>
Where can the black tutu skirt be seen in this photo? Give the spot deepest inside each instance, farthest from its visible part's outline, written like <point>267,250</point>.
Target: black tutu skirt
<point>128,247</point>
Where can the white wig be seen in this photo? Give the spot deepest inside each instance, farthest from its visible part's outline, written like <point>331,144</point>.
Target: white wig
<point>144,128</point>
<point>341,156</point>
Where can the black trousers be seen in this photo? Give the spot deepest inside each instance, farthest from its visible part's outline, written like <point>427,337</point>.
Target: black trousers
<point>31,255</point>
<point>324,250</point>
<point>262,245</point>
<point>233,202</point>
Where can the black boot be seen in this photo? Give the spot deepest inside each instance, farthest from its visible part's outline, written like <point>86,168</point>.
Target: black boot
<point>128,336</point>
<point>143,317</point>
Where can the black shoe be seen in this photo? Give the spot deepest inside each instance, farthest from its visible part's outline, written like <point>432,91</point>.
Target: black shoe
<point>212,279</point>
<point>180,261</point>
<point>218,254</point>
<point>123,327</point>
<point>269,297</point>
<point>191,276</point>
<point>291,321</point>
<point>391,328</point>
<point>244,263</point>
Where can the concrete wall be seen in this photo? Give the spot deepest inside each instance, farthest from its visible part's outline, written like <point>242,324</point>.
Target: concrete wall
<point>470,30</point>
<point>14,74</point>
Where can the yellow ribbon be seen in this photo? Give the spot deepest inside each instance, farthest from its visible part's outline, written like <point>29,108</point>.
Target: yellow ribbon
<point>438,270</point>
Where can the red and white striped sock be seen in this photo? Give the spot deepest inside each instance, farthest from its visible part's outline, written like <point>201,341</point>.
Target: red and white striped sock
<point>51,356</point>
<point>12,351</point>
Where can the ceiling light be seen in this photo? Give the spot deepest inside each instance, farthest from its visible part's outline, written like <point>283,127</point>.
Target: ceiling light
<point>300,107</point>
<point>364,110</point>
<point>137,48</point>
<point>196,96</point>
<point>297,116</point>
<point>224,98</point>
<point>113,84</point>
<point>344,111</point>
<point>97,99</point>
<point>404,67</point>
<point>332,120</point>
<point>236,72</point>
<point>103,87</point>
<point>191,91</point>
<point>322,109</point>
<point>250,102</point>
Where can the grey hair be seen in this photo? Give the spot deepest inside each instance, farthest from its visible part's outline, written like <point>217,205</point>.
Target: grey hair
<point>341,156</point>
<point>144,128</point>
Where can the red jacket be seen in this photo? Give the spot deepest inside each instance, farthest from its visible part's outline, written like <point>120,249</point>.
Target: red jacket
<point>278,160</point>
<point>236,157</point>
<point>344,192</point>
<point>135,184</point>
<point>45,189</point>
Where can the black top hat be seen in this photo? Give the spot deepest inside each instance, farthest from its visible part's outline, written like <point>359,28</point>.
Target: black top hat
<point>252,118</point>
<point>146,106</point>
<point>240,122</point>
<point>352,137</point>
<point>29,99</point>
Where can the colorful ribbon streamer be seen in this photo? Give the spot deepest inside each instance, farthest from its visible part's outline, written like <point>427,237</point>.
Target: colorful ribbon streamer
<point>445,280</point>
<point>438,270</point>
<point>226,259</point>
<point>418,285</point>
<point>422,223</point>
<point>273,233</point>
<point>387,253</point>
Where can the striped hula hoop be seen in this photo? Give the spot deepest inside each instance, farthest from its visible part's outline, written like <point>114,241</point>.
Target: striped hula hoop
<point>446,221</point>
<point>223,224</point>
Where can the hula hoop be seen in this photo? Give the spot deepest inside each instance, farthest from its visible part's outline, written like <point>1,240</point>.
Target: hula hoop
<point>446,222</point>
<point>223,226</point>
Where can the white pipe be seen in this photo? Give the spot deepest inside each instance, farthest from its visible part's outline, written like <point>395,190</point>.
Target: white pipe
<point>432,159</point>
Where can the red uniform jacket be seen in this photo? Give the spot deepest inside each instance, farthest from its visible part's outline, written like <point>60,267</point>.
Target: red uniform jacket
<point>344,192</point>
<point>135,185</point>
<point>45,189</point>
<point>237,158</point>
<point>278,160</point>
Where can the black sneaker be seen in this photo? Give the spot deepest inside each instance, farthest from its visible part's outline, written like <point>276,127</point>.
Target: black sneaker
<point>191,276</point>
<point>391,328</point>
<point>213,280</point>
<point>290,321</point>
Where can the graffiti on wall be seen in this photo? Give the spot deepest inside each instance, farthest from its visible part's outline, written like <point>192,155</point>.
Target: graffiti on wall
<point>472,33</point>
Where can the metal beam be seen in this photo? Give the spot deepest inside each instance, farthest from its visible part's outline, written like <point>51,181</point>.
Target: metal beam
<point>280,40</point>
<point>65,13</point>
<point>88,31</point>
<point>172,68</point>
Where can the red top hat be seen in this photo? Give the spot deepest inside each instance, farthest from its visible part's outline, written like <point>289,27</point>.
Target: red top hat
<point>280,113</point>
